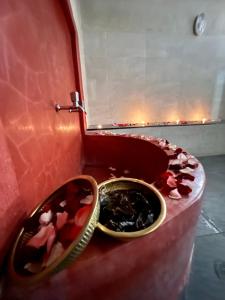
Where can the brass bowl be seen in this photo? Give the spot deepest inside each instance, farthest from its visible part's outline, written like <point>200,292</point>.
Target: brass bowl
<point>147,189</point>
<point>70,253</point>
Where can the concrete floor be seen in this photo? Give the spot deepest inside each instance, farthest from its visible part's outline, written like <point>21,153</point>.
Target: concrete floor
<point>207,278</point>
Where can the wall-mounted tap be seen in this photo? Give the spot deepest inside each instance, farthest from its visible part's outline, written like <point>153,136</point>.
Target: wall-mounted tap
<point>76,106</point>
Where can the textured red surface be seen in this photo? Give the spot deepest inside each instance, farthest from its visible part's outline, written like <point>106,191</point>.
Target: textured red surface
<point>152,267</point>
<point>155,266</point>
<point>40,147</point>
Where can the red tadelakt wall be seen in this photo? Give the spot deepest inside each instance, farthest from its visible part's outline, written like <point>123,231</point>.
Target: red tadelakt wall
<point>39,148</point>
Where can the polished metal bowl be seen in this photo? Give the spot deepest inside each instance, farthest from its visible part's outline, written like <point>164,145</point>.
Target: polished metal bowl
<point>82,240</point>
<point>147,189</point>
<point>73,250</point>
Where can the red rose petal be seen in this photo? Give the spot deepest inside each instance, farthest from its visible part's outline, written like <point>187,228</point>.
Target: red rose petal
<point>46,207</point>
<point>178,150</point>
<point>184,189</point>
<point>192,162</point>
<point>175,168</point>
<point>162,143</point>
<point>171,181</point>
<point>33,267</point>
<point>68,233</point>
<point>191,166</point>
<point>162,180</point>
<point>61,219</point>
<point>187,170</point>
<point>185,176</point>
<point>50,241</point>
<point>174,194</point>
<point>82,215</point>
<point>41,238</point>
<point>171,154</point>
<point>182,158</point>
<point>87,200</point>
<point>56,251</point>
<point>166,174</point>
<point>166,190</point>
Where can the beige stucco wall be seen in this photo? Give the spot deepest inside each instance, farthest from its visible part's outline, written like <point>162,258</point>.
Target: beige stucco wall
<point>141,62</point>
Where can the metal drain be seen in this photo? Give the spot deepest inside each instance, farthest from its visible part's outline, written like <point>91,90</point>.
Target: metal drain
<point>219,268</point>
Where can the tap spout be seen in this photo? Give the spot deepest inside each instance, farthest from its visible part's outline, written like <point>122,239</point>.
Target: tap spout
<point>75,107</point>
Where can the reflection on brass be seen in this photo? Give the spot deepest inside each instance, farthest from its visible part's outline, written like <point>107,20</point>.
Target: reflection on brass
<point>131,183</point>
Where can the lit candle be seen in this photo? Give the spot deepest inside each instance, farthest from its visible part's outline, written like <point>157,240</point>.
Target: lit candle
<point>203,121</point>
<point>177,121</point>
<point>99,126</point>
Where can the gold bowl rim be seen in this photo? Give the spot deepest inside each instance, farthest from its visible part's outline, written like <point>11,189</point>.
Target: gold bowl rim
<point>139,233</point>
<point>33,278</point>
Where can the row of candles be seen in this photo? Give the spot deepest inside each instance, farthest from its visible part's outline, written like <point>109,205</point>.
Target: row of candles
<point>204,121</point>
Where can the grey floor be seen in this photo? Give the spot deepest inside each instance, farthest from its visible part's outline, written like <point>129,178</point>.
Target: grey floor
<point>207,278</point>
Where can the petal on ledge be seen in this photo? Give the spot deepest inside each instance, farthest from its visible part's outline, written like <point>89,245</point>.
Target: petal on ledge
<point>174,194</point>
<point>171,181</point>
<point>184,189</point>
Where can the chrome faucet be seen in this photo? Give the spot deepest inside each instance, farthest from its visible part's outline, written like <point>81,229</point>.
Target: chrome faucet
<point>76,106</point>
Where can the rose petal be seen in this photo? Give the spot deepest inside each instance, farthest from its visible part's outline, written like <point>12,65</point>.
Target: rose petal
<point>178,150</point>
<point>185,176</point>
<point>166,174</point>
<point>69,233</point>
<point>126,171</point>
<point>46,207</point>
<point>45,217</point>
<point>186,170</point>
<point>172,147</point>
<point>82,215</point>
<point>174,194</point>
<point>87,200</point>
<point>112,169</point>
<point>182,158</point>
<point>61,219</point>
<point>171,154</point>
<point>162,144</point>
<point>193,162</point>
<point>174,162</point>
<point>191,166</point>
<point>63,203</point>
<point>184,189</point>
<point>33,267</point>
<point>166,190</point>
<point>175,168</point>
<point>57,251</point>
<point>112,175</point>
<point>41,238</point>
<point>171,181</point>
<point>50,240</point>
<point>162,180</point>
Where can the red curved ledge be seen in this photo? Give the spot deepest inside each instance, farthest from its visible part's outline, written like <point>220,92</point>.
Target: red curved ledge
<point>153,267</point>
